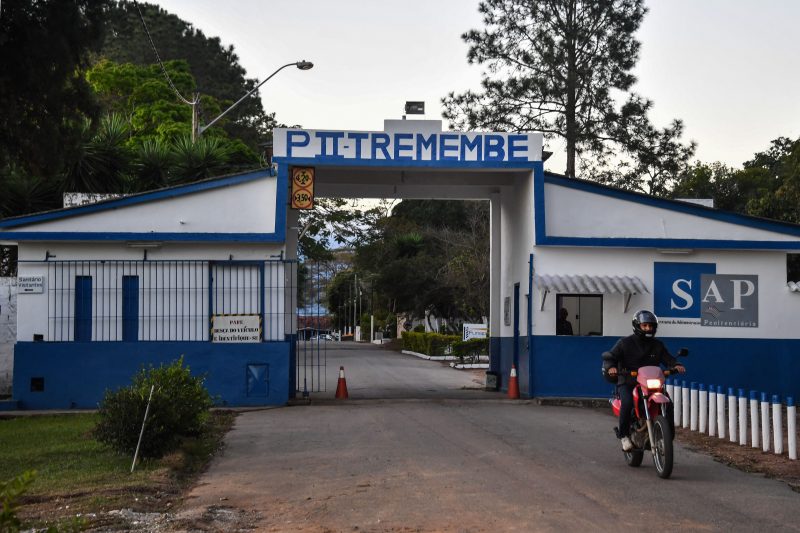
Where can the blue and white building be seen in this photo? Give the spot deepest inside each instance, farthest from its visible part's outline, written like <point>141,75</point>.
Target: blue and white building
<point>207,270</point>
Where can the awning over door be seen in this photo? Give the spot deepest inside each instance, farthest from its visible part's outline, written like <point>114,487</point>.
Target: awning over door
<point>590,284</point>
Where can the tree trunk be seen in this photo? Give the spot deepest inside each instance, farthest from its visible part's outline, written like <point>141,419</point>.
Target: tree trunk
<point>569,112</point>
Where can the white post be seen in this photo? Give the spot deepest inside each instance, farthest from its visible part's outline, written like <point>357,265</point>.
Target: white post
<point>712,411</point>
<point>671,391</point>
<point>720,412</point>
<point>732,415</point>
<point>777,424</point>
<point>676,414</point>
<point>742,418</point>
<point>764,422</point>
<point>754,419</point>
<point>791,427</point>
<point>693,406</point>
<point>141,433</point>
<point>685,405</point>
<point>703,408</point>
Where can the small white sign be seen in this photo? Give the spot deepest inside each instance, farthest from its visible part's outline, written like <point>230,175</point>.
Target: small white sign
<point>30,285</point>
<point>475,331</point>
<point>236,328</point>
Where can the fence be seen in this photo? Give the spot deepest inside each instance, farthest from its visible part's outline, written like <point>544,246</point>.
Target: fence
<point>710,410</point>
<point>166,300</point>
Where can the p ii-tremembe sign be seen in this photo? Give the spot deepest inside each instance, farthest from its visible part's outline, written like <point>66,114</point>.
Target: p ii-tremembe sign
<point>408,147</point>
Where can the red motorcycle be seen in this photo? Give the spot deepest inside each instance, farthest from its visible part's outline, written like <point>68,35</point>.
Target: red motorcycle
<point>650,428</point>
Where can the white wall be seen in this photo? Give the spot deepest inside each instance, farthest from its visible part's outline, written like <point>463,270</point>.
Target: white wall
<point>575,213</point>
<point>778,307</point>
<point>243,208</point>
<point>8,331</point>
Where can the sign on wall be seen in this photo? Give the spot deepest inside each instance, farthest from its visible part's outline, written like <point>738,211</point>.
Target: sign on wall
<point>694,294</point>
<point>30,284</point>
<point>302,188</point>
<point>236,328</point>
<point>729,300</point>
<point>446,146</point>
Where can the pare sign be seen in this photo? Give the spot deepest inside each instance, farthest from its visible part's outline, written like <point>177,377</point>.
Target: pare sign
<point>236,328</point>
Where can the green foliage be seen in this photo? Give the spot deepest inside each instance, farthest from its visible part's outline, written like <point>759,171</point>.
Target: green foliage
<point>10,492</point>
<point>43,96</point>
<point>433,344</point>
<point>471,348</point>
<point>419,328</point>
<point>179,409</point>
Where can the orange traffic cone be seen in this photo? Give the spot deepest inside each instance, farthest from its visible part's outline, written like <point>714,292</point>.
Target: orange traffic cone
<point>513,385</point>
<point>341,387</point>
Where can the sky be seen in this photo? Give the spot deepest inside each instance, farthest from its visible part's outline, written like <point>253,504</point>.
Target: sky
<point>727,68</point>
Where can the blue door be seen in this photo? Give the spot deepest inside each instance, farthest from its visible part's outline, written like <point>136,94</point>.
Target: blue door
<point>130,308</point>
<point>83,308</point>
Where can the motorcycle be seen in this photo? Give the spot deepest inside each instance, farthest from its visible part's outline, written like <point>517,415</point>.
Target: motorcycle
<point>651,427</point>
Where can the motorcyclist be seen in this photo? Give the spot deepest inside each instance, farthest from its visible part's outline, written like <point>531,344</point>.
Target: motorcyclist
<point>631,353</point>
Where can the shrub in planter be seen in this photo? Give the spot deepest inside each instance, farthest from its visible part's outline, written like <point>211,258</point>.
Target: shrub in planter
<point>471,348</point>
<point>179,409</point>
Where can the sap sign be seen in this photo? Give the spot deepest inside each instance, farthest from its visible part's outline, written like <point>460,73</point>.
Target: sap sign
<point>695,290</point>
<point>676,288</point>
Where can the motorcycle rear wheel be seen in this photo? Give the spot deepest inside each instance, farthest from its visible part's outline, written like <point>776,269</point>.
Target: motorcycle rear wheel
<point>662,447</point>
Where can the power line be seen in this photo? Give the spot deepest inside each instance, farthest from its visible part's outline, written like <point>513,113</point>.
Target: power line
<point>155,51</point>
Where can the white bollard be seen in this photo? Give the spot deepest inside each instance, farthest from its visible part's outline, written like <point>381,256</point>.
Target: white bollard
<point>791,427</point>
<point>754,419</point>
<point>703,408</point>
<point>764,422</point>
<point>678,408</point>
<point>777,424</point>
<point>720,412</point>
<point>732,415</point>
<point>693,406</point>
<point>712,411</point>
<point>685,405</point>
<point>742,418</point>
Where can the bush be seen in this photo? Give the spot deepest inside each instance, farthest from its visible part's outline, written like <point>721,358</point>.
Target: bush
<point>419,328</point>
<point>471,348</point>
<point>179,409</point>
<point>433,344</point>
<point>10,492</point>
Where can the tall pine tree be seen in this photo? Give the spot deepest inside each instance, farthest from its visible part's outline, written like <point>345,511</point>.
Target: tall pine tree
<point>554,66</point>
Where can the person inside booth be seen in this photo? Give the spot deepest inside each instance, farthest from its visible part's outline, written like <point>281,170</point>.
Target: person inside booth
<point>563,326</point>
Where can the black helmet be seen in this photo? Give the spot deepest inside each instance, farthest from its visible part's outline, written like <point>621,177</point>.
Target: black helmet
<point>644,317</point>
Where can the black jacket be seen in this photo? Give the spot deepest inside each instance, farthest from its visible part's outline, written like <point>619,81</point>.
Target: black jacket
<point>633,352</point>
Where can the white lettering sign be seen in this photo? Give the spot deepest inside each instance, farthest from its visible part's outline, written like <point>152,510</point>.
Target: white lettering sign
<point>236,328</point>
<point>30,285</point>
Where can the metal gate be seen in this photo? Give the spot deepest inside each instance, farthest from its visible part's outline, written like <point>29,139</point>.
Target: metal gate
<point>314,328</point>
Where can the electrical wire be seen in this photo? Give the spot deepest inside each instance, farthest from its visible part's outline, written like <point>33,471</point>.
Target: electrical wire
<point>155,51</point>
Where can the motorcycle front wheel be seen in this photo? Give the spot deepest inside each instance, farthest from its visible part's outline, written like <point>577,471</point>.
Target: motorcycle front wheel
<point>662,447</point>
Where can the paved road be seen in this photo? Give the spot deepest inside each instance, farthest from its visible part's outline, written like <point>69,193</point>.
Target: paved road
<point>466,465</point>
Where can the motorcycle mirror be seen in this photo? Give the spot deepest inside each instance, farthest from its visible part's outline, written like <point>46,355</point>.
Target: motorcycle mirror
<point>683,352</point>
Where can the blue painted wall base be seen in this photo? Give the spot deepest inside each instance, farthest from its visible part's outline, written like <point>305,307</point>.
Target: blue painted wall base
<point>75,375</point>
<point>570,366</point>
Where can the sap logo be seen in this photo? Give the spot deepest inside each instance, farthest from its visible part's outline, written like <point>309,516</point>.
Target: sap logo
<point>677,288</point>
<point>729,300</point>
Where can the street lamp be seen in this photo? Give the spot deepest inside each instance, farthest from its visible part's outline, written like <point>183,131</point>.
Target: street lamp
<point>198,130</point>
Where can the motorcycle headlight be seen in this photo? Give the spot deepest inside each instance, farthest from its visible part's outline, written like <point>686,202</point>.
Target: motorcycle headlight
<point>653,383</point>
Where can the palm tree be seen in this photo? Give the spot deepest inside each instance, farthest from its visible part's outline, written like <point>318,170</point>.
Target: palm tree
<point>202,159</point>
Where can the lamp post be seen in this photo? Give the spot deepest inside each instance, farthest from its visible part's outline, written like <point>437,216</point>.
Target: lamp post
<point>197,129</point>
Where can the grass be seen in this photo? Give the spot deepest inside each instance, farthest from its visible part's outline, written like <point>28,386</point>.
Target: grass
<point>75,470</point>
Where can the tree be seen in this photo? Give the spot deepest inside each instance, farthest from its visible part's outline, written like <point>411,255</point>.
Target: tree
<point>558,66</point>
<point>215,68</point>
<point>44,45</point>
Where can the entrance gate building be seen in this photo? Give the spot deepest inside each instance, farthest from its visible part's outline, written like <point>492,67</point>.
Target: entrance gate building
<point>133,281</point>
